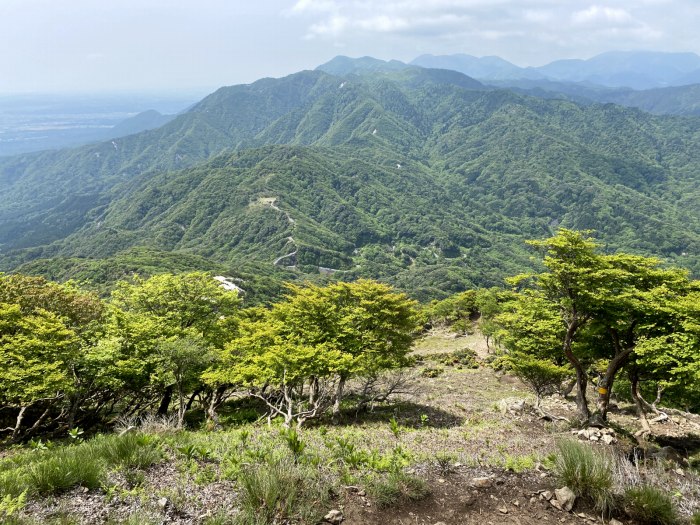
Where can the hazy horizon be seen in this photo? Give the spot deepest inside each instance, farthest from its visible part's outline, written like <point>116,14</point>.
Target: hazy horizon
<point>162,46</point>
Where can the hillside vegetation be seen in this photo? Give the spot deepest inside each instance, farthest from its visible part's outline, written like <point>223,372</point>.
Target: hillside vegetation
<point>350,402</point>
<point>423,178</point>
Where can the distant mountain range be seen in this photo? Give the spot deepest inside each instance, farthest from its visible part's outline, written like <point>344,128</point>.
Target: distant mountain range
<point>631,69</point>
<point>496,72</point>
<point>424,178</point>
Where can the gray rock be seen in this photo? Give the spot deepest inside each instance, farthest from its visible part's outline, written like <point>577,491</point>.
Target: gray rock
<point>482,483</point>
<point>566,498</point>
<point>607,439</point>
<point>163,502</point>
<point>334,517</point>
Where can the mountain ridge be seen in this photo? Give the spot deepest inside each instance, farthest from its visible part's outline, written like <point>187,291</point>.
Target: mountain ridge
<point>409,176</point>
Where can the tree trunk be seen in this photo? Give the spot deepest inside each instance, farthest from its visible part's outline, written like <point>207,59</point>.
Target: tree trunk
<point>313,390</point>
<point>165,401</point>
<point>180,407</point>
<point>581,378</point>
<point>214,404</point>
<point>190,401</point>
<point>605,388</point>
<point>338,396</point>
<point>18,425</point>
<point>634,391</point>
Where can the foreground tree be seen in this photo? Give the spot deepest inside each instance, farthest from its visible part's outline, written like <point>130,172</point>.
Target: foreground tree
<point>46,329</point>
<point>299,354</point>
<point>616,299</point>
<point>160,327</point>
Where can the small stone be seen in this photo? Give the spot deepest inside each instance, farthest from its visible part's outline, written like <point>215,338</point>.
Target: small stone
<point>594,438</point>
<point>482,483</point>
<point>503,510</point>
<point>607,439</point>
<point>441,480</point>
<point>163,502</point>
<point>516,502</point>
<point>546,495</point>
<point>582,515</point>
<point>615,522</point>
<point>556,504</point>
<point>533,500</point>
<point>362,493</point>
<point>566,498</point>
<point>680,472</point>
<point>334,517</point>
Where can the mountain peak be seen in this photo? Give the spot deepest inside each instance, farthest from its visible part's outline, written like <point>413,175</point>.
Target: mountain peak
<point>344,65</point>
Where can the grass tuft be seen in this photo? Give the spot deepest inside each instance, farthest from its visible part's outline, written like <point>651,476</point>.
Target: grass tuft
<point>397,488</point>
<point>588,472</point>
<point>649,505</point>
<point>64,469</point>
<point>281,491</point>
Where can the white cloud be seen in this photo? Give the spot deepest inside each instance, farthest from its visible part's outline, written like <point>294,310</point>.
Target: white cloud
<point>597,14</point>
<point>317,6</point>
<point>529,32</point>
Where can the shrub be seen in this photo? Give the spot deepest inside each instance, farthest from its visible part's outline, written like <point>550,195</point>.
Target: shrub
<point>465,358</point>
<point>396,488</point>
<point>695,520</point>
<point>587,472</point>
<point>430,372</point>
<point>650,506</point>
<point>541,375</point>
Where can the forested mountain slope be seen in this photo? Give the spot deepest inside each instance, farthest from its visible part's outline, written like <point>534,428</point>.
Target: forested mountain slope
<point>421,177</point>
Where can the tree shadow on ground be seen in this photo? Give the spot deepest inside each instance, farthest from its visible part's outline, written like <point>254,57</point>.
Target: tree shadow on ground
<point>407,414</point>
<point>687,445</point>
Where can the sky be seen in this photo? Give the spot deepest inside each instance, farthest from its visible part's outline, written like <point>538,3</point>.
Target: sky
<point>48,46</point>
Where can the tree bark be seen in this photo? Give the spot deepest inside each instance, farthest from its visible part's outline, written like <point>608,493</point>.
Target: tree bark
<point>338,396</point>
<point>641,413</point>
<point>581,378</point>
<point>18,425</point>
<point>214,404</point>
<point>190,401</point>
<point>605,387</point>
<point>165,401</point>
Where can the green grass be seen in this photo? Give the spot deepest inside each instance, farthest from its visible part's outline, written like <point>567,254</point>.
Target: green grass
<point>281,491</point>
<point>650,506</point>
<point>82,465</point>
<point>587,472</point>
<point>396,488</point>
<point>132,450</point>
<point>64,469</point>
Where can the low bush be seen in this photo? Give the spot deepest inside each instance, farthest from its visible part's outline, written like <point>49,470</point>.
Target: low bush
<point>650,506</point>
<point>431,372</point>
<point>588,472</point>
<point>465,358</point>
